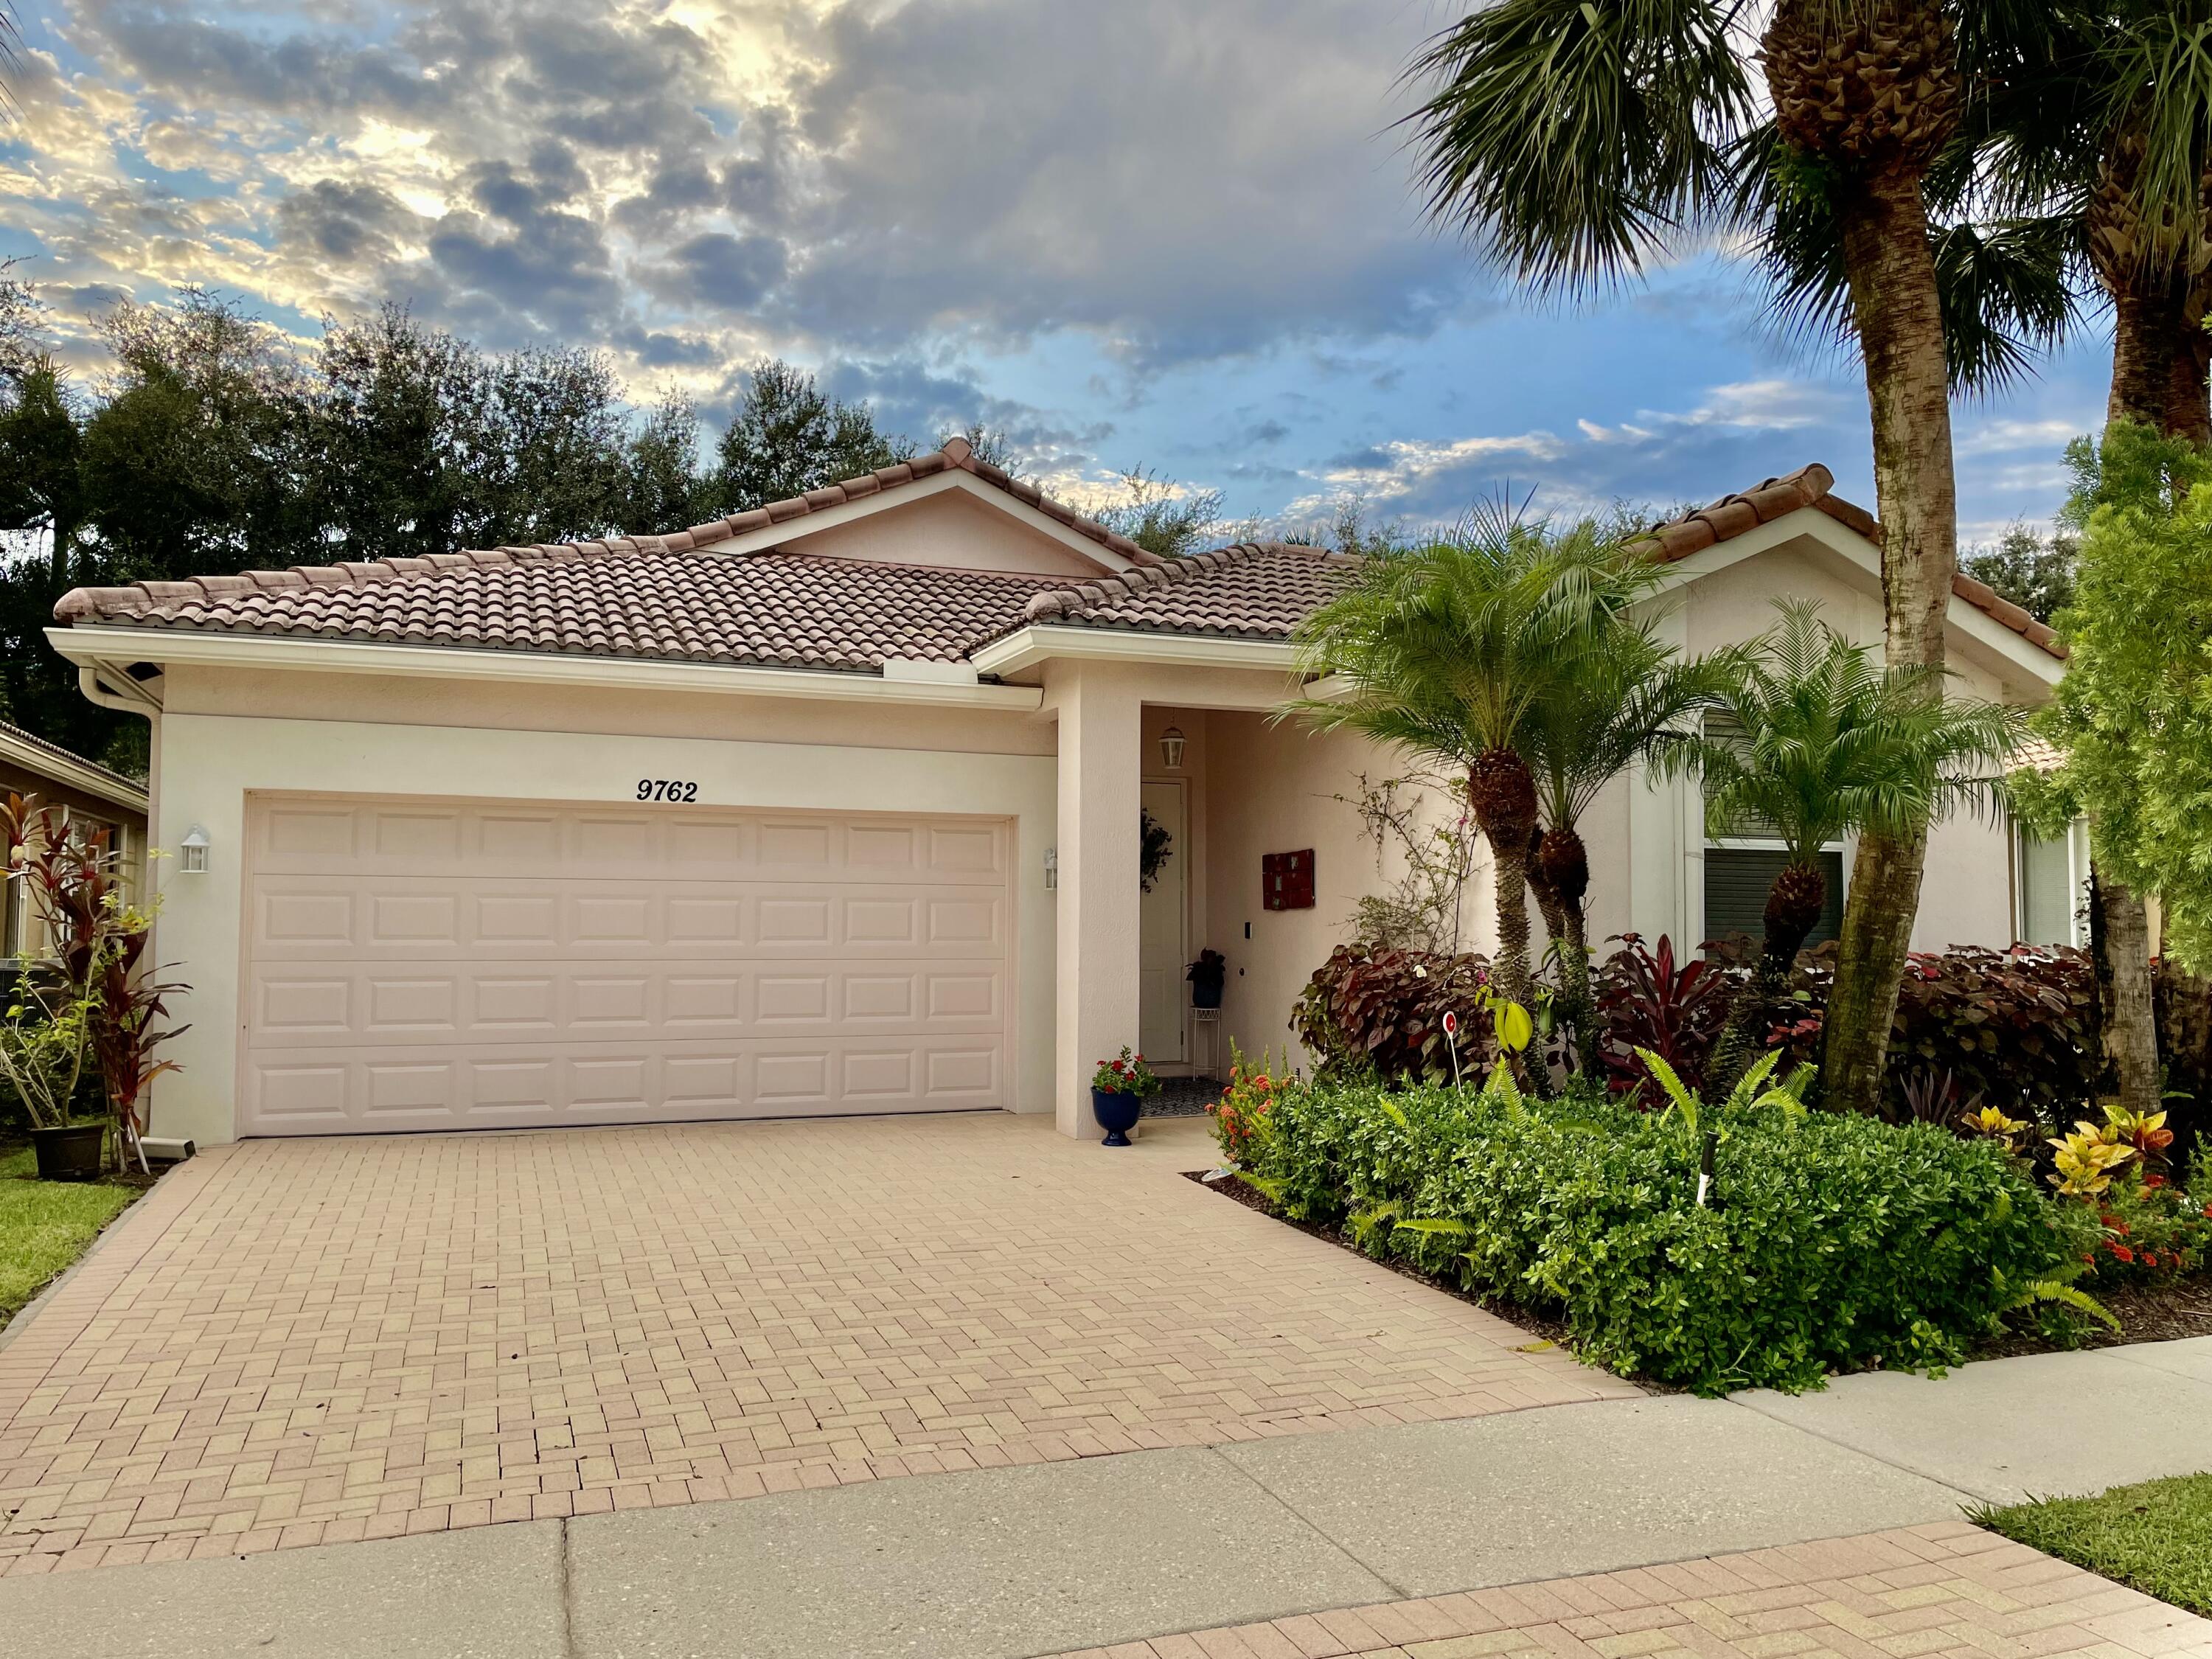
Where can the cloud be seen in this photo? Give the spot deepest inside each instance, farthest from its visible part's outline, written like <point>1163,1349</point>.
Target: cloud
<point>718,271</point>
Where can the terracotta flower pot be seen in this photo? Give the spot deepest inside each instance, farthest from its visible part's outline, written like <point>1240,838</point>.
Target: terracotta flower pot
<point>1118,1112</point>
<point>71,1152</point>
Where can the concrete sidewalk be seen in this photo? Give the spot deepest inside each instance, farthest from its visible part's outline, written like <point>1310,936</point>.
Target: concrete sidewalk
<point>2043,1426</point>
<point>1009,1563</point>
<point>1002,1563</point>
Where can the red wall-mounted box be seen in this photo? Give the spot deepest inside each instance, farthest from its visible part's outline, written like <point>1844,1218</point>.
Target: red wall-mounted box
<point>1286,880</point>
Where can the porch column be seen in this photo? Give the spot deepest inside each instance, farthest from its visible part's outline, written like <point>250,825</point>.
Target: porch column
<point>1101,772</point>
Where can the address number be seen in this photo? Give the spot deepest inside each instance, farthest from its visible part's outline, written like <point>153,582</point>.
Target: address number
<point>666,789</point>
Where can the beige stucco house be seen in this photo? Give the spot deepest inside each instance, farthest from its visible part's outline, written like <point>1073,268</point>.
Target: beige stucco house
<point>832,807</point>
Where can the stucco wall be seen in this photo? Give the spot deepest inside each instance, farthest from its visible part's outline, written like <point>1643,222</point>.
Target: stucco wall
<point>952,529</point>
<point>210,763</point>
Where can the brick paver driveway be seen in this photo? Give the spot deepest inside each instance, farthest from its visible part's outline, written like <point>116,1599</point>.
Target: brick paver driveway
<point>306,1341</point>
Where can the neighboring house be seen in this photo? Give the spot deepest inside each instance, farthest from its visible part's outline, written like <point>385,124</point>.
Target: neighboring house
<point>831,807</point>
<point>93,797</point>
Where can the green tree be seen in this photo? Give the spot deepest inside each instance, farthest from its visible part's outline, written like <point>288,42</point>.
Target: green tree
<point>662,488</point>
<point>1827,743</point>
<point>1162,516</point>
<point>1574,139</point>
<point>2133,716</point>
<point>1445,650</point>
<point>788,436</point>
<point>2033,570</point>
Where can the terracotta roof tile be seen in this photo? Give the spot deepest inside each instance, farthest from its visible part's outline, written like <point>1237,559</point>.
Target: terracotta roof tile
<point>1811,486</point>
<point>1255,590</point>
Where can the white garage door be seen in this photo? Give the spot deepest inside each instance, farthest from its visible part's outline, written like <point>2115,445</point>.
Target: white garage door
<point>431,964</point>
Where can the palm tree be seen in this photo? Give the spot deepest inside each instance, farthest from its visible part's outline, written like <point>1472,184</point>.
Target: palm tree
<point>1573,139</point>
<point>1623,698</point>
<point>1830,743</point>
<point>2092,165</point>
<point>1444,650</point>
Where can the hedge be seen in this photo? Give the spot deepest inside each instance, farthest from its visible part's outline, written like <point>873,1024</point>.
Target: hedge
<point>1830,1243</point>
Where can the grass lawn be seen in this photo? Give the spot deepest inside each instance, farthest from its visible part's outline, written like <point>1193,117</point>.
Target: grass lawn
<point>2156,1536</point>
<point>45,1226</point>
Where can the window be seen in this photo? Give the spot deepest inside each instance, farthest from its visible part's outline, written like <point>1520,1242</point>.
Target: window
<point>2050,886</point>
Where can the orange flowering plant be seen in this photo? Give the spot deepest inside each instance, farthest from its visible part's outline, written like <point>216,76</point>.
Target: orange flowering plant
<point>1127,1075</point>
<point>2147,1226</point>
<point>1240,1116</point>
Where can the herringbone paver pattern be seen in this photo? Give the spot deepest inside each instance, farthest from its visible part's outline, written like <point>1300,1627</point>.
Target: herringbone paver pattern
<point>1946,1588</point>
<point>308,1341</point>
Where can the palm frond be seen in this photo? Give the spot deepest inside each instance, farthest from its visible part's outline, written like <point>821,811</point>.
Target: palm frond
<point>1827,741</point>
<point>1571,140</point>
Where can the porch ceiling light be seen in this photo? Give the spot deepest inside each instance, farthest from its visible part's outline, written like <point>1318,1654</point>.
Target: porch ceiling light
<point>1172,742</point>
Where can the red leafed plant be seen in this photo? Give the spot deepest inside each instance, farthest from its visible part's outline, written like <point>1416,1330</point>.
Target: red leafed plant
<point>95,950</point>
<point>1372,1009</point>
<point>1647,1001</point>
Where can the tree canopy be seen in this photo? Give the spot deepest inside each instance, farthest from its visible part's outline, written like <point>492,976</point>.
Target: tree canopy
<point>2133,716</point>
<point>214,443</point>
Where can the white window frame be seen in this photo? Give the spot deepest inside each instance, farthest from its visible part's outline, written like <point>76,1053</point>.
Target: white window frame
<point>2077,881</point>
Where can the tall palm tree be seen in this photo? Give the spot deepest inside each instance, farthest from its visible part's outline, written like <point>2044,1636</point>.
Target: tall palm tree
<point>1830,743</point>
<point>1573,139</point>
<point>1625,698</point>
<point>2113,138</point>
<point>1445,650</point>
<point>2088,170</point>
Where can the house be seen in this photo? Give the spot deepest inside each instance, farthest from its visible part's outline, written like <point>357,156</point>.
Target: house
<point>830,807</point>
<point>94,798</point>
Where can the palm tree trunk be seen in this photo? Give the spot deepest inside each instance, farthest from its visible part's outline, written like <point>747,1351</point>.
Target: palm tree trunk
<point>1794,904</point>
<point>1509,969</point>
<point>2160,355</point>
<point>1582,1001</point>
<point>2131,1023</point>
<point>1899,324</point>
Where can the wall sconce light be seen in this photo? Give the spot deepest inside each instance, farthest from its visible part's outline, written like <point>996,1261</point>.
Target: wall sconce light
<point>1172,742</point>
<point>194,849</point>
<point>1051,868</point>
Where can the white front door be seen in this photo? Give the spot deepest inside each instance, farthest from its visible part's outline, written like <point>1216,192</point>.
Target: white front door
<point>1160,949</point>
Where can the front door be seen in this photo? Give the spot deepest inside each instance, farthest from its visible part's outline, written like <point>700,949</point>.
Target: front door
<point>1160,946</point>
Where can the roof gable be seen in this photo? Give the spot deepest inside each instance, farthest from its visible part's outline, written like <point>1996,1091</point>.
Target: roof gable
<point>1812,487</point>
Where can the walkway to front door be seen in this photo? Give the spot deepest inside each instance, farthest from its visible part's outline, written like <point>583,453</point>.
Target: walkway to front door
<point>303,1341</point>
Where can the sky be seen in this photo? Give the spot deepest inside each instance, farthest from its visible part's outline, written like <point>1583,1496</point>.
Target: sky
<point>1140,232</point>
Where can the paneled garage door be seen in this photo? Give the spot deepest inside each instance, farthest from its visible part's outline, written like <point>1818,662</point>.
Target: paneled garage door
<point>431,964</point>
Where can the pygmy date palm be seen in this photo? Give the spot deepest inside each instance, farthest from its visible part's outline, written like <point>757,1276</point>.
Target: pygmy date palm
<point>1444,650</point>
<point>1625,697</point>
<point>1824,742</point>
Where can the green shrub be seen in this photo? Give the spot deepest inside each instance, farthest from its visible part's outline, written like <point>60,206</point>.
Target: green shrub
<point>1831,1242</point>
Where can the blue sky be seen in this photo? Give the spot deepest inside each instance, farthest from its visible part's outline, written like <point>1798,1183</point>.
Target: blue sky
<point>1137,234</point>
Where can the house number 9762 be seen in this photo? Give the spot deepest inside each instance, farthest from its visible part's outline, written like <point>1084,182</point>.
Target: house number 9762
<point>666,789</point>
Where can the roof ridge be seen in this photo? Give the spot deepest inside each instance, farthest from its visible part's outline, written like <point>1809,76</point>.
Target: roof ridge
<point>1078,598</point>
<point>137,599</point>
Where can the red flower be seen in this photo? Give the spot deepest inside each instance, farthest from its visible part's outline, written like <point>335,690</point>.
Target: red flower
<point>2150,1258</point>
<point>2123,1253</point>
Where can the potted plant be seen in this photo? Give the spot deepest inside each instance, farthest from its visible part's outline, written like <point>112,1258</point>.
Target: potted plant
<point>1207,977</point>
<point>44,1040</point>
<point>1118,1091</point>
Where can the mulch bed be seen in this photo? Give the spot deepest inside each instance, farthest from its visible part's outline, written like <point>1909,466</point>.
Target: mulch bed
<point>2155,1313</point>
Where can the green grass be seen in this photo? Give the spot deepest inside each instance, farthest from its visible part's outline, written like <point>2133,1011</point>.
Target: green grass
<point>45,1226</point>
<point>2156,1536</point>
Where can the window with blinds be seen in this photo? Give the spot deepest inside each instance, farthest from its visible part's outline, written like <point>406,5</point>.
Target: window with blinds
<point>1736,880</point>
